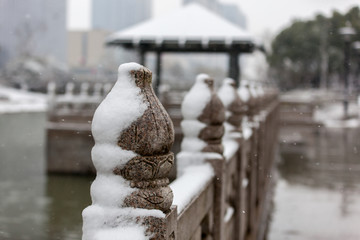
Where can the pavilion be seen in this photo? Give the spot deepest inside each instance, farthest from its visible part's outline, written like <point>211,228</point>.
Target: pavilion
<point>192,28</point>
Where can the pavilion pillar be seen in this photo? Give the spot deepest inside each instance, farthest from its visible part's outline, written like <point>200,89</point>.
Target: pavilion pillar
<point>142,56</point>
<point>234,67</point>
<point>158,72</point>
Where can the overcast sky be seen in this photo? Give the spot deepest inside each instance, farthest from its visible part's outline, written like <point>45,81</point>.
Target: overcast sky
<point>262,15</point>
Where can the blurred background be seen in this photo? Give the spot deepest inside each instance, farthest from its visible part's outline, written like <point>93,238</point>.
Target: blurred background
<point>56,66</point>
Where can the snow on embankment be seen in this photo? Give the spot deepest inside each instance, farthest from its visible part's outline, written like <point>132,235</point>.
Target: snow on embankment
<point>15,101</point>
<point>332,115</point>
<point>329,108</point>
<point>106,218</point>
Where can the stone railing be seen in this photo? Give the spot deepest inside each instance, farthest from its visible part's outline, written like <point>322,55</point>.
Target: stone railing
<point>68,126</point>
<point>80,99</point>
<point>223,169</point>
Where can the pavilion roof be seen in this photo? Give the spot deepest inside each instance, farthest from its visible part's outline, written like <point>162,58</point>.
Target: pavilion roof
<point>191,28</point>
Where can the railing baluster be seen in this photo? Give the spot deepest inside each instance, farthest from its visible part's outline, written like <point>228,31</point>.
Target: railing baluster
<point>133,136</point>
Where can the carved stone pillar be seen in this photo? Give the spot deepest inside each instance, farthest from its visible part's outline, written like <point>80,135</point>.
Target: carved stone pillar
<point>246,98</point>
<point>253,103</point>
<point>213,115</point>
<point>150,137</point>
<point>235,107</point>
<point>133,135</point>
<point>204,115</point>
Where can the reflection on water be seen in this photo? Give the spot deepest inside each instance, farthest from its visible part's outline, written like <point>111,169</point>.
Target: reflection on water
<point>33,205</point>
<point>318,191</point>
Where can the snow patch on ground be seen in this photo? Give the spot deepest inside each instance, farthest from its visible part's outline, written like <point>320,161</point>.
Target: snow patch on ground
<point>332,114</point>
<point>310,95</point>
<point>329,108</point>
<point>15,101</point>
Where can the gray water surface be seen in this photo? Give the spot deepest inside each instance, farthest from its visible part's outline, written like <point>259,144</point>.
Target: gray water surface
<point>34,205</point>
<point>317,196</point>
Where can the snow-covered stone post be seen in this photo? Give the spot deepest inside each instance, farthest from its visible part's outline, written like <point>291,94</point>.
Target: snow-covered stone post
<point>133,135</point>
<point>254,158</point>
<point>69,89</point>
<point>254,103</point>
<point>245,97</point>
<point>97,89</point>
<point>203,129</point>
<point>84,89</point>
<point>106,88</point>
<point>51,94</point>
<point>69,95</point>
<point>235,110</point>
<point>261,142</point>
<point>202,125</point>
<point>249,132</point>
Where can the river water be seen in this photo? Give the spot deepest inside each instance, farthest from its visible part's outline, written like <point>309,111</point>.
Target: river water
<point>34,205</point>
<point>317,195</point>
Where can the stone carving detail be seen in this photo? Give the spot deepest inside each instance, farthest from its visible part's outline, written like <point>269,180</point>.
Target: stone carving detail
<point>151,137</point>
<point>213,116</point>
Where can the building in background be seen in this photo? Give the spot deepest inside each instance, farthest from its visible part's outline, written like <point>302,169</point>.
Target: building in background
<point>86,48</point>
<point>210,4</point>
<point>229,11</point>
<point>232,13</point>
<point>32,28</point>
<point>87,55</point>
<point>115,15</point>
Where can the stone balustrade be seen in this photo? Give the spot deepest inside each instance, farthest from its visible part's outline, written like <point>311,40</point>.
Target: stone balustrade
<point>223,181</point>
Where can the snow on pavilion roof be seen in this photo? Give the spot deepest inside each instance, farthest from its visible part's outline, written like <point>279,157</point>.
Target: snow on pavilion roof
<point>192,24</point>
